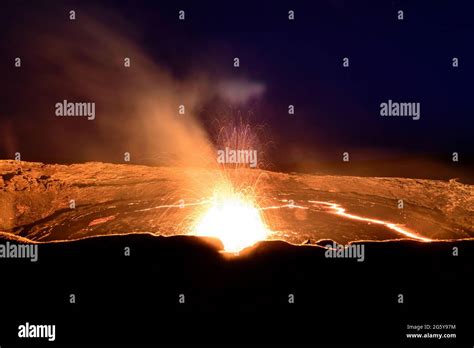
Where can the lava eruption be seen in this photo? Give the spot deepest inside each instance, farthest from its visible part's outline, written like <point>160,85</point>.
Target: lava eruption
<point>235,220</point>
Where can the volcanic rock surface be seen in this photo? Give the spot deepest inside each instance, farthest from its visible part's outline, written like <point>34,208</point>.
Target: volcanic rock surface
<point>65,202</point>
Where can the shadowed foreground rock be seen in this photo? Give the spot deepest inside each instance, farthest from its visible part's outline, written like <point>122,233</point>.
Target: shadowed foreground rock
<point>237,299</point>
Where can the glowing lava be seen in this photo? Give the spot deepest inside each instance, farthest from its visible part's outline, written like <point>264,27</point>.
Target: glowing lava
<point>235,220</point>
<point>338,210</point>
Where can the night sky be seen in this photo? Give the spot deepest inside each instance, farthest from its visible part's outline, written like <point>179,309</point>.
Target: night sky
<point>298,62</point>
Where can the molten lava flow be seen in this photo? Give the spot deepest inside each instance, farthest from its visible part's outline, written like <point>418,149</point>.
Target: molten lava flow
<point>338,210</point>
<point>235,220</point>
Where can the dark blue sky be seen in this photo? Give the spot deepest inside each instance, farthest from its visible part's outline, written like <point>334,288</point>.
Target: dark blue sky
<point>300,63</point>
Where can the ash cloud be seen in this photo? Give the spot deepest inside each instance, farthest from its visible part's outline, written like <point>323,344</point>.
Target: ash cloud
<point>137,108</point>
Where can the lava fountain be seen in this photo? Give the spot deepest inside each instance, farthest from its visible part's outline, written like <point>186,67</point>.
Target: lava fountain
<point>235,219</point>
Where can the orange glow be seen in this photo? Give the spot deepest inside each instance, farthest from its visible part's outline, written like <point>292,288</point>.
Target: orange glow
<point>338,210</point>
<point>235,220</point>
